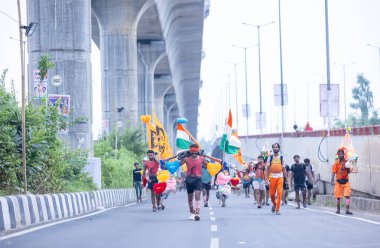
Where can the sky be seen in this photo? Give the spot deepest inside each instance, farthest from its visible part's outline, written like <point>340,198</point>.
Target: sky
<point>352,25</point>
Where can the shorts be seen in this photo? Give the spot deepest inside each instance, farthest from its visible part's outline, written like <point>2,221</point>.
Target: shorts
<point>246,185</point>
<point>195,185</point>
<point>286,186</point>
<point>258,184</point>
<point>206,186</point>
<point>339,188</point>
<point>309,185</point>
<point>153,181</point>
<point>299,186</point>
<point>266,187</point>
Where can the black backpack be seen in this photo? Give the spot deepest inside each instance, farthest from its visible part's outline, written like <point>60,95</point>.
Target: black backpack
<point>271,158</point>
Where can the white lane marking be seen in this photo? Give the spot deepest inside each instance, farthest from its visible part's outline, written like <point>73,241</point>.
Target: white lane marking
<point>57,223</point>
<point>339,215</point>
<point>211,213</point>
<point>214,243</point>
<point>214,228</point>
<point>210,209</point>
<point>242,242</point>
<point>212,218</point>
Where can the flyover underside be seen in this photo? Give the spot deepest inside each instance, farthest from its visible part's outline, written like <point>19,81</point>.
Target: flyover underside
<point>182,25</point>
<point>169,34</point>
<point>179,24</point>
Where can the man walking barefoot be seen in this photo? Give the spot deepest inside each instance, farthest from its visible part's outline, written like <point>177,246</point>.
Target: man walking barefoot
<point>341,169</point>
<point>276,167</point>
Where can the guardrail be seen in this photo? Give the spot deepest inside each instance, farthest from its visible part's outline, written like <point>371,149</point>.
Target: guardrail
<point>18,211</point>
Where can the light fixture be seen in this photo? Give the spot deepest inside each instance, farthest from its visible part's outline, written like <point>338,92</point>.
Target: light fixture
<point>30,28</point>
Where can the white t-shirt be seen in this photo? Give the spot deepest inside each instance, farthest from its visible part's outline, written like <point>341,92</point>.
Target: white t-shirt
<point>310,169</point>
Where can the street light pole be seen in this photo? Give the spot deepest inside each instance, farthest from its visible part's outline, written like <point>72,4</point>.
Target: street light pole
<point>377,47</point>
<point>258,45</point>
<point>236,95</point>
<point>246,85</point>
<point>281,74</point>
<point>23,131</point>
<point>344,91</point>
<point>246,91</point>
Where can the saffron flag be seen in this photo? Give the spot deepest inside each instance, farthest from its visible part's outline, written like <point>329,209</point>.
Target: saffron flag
<point>162,139</point>
<point>150,132</point>
<point>184,138</point>
<point>229,143</point>
<point>238,156</point>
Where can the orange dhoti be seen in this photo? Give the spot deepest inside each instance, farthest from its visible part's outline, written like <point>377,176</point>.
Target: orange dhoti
<point>342,188</point>
<point>276,185</point>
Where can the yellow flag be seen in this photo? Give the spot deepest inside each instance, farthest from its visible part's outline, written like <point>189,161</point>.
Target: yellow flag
<point>150,132</point>
<point>162,139</point>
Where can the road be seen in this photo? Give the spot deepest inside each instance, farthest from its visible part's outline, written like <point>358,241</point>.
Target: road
<point>240,224</point>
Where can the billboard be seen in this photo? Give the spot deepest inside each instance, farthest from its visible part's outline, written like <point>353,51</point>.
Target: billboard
<point>40,88</point>
<point>329,100</point>
<point>277,94</point>
<point>64,105</point>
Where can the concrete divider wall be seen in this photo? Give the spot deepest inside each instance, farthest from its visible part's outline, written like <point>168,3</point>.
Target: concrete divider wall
<point>366,146</point>
<point>17,211</point>
<point>357,203</point>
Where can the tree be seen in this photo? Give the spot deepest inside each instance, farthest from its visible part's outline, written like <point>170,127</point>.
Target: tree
<point>363,96</point>
<point>374,120</point>
<point>51,166</point>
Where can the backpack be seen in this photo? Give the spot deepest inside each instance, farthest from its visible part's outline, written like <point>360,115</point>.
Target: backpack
<point>271,158</point>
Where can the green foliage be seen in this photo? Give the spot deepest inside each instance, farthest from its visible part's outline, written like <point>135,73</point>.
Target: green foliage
<point>44,64</point>
<point>134,140</point>
<point>363,96</point>
<point>117,165</point>
<point>51,166</point>
<point>355,120</point>
<point>374,120</point>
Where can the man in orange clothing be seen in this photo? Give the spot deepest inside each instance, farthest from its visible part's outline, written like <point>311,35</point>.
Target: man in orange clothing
<point>341,169</point>
<point>276,168</point>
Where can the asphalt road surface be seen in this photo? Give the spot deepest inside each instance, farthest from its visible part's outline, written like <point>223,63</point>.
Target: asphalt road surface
<point>239,224</point>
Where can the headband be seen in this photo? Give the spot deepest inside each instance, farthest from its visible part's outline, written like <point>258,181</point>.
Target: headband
<point>194,149</point>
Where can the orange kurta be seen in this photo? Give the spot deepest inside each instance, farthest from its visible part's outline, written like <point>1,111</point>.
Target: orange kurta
<point>276,182</point>
<point>341,172</point>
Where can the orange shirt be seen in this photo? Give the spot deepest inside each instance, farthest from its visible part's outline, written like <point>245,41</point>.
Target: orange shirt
<point>340,170</point>
<point>275,166</point>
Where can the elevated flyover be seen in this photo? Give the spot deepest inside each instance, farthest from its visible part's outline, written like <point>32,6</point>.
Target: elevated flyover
<point>150,51</point>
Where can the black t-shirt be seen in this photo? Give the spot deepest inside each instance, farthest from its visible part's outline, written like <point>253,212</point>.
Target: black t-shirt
<point>298,173</point>
<point>137,175</point>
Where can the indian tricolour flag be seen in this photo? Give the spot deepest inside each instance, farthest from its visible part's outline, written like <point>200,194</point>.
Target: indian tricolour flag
<point>229,143</point>
<point>184,138</point>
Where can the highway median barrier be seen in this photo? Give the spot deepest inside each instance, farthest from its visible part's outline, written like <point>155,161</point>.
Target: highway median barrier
<point>20,211</point>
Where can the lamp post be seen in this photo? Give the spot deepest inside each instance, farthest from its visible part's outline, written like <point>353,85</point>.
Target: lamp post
<point>344,91</point>
<point>236,94</point>
<point>246,84</point>
<point>258,45</point>
<point>378,47</point>
<point>281,74</point>
<point>28,32</point>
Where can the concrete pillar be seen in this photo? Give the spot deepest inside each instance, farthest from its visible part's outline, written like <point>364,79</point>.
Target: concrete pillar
<point>151,52</point>
<point>64,32</point>
<point>118,48</point>
<point>170,103</point>
<point>162,85</point>
<point>173,125</point>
